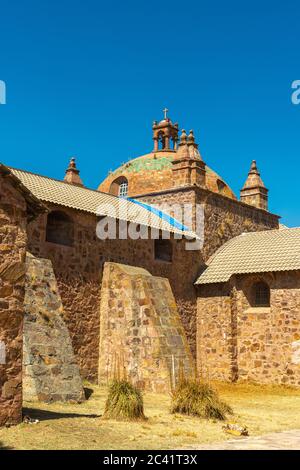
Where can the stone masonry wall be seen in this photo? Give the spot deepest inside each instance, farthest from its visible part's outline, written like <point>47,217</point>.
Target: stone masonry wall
<point>13,220</point>
<point>214,333</point>
<point>79,268</point>
<point>50,372</point>
<point>268,339</point>
<point>140,329</point>
<point>241,342</point>
<point>226,218</point>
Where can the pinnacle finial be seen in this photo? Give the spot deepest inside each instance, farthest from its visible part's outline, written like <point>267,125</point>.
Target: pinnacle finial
<point>72,173</point>
<point>253,168</point>
<point>191,137</point>
<point>165,111</point>
<point>253,180</point>
<point>183,138</point>
<point>72,163</point>
<point>254,191</point>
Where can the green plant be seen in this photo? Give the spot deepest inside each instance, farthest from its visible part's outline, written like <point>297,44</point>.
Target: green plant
<point>124,401</point>
<point>197,398</point>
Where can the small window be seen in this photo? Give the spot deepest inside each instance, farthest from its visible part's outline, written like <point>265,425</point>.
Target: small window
<point>119,187</point>
<point>123,189</point>
<point>261,295</point>
<point>60,229</point>
<point>163,250</point>
<point>221,186</point>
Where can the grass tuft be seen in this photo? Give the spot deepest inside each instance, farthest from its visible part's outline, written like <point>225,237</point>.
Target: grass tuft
<point>124,402</point>
<point>197,398</point>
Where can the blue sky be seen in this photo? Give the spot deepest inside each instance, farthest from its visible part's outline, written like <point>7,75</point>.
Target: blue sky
<point>88,78</point>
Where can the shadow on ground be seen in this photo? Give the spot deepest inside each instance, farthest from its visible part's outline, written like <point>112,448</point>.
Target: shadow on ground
<point>3,447</point>
<point>44,415</point>
<point>88,392</point>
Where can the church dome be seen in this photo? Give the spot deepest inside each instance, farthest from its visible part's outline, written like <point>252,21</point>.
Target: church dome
<point>153,173</point>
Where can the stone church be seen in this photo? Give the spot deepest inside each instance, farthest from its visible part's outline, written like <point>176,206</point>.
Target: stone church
<point>74,306</point>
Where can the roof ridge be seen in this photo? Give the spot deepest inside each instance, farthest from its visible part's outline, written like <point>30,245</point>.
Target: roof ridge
<point>62,182</point>
<point>272,230</point>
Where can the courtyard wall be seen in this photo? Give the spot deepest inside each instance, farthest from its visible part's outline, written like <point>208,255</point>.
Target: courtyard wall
<point>239,342</point>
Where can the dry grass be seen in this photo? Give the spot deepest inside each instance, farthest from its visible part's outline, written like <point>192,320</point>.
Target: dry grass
<point>124,402</point>
<point>197,398</point>
<point>262,409</point>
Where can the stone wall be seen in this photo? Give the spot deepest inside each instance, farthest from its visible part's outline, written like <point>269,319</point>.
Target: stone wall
<point>140,329</point>
<point>226,218</point>
<point>13,220</point>
<point>50,371</point>
<point>241,342</point>
<point>214,333</point>
<point>79,268</point>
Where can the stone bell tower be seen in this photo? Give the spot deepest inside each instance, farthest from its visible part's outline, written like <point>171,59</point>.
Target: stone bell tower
<point>254,191</point>
<point>165,134</point>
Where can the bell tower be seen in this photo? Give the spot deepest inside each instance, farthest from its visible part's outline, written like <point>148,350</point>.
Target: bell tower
<point>165,134</point>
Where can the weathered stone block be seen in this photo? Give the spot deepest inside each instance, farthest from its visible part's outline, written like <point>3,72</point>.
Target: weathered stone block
<point>141,339</point>
<point>50,369</point>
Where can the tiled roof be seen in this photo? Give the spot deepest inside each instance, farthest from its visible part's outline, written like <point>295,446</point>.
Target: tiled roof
<point>88,200</point>
<point>268,251</point>
<point>34,206</point>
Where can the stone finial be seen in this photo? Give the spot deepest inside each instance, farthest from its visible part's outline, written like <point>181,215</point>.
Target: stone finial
<point>254,179</point>
<point>193,147</point>
<point>254,191</point>
<point>183,150</point>
<point>72,174</point>
<point>191,138</point>
<point>183,138</point>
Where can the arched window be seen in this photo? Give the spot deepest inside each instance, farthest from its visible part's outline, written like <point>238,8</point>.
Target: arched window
<point>119,187</point>
<point>261,294</point>
<point>161,141</point>
<point>123,189</point>
<point>221,186</point>
<point>163,250</point>
<point>60,229</point>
